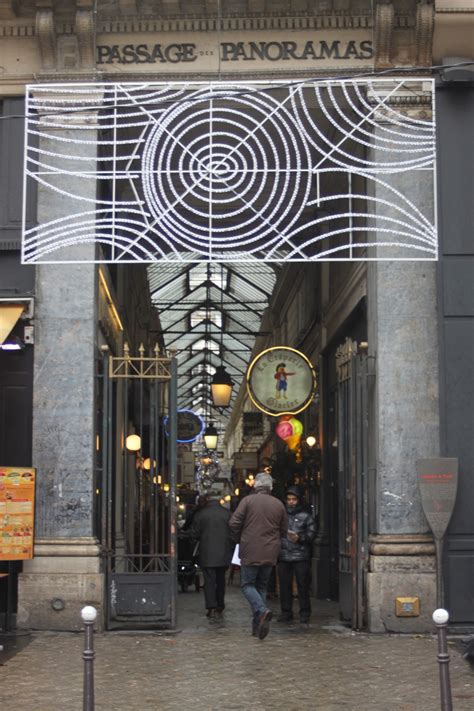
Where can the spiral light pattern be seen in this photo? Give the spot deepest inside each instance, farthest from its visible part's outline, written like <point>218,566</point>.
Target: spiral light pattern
<point>209,171</point>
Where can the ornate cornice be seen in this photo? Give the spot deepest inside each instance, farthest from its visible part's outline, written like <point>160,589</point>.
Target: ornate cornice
<point>231,24</point>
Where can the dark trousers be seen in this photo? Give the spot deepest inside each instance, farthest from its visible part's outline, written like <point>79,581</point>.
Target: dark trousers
<point>301,569</point>
<point>214,587</point>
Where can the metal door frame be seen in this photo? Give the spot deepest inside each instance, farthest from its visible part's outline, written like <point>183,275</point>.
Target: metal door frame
<point>131,576</point>
<point>356,374</point>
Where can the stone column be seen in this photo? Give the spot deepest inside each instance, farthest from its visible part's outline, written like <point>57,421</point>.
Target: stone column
<point>65,573</point>
<point>403,338</point>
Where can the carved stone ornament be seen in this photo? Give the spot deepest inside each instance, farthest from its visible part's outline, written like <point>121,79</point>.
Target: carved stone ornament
<point>45,31</point>
<point>383,31</point>
<point>424,33</point>
<point>85,31</point>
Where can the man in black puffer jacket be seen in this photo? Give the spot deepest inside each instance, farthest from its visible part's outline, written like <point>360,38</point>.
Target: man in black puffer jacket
<point>295,558</point>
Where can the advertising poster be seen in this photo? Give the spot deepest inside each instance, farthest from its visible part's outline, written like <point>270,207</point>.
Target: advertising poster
<point>17,508</point>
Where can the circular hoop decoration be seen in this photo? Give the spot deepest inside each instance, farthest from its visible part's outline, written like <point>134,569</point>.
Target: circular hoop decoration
<point>190,426</point>
<point>281,381</point>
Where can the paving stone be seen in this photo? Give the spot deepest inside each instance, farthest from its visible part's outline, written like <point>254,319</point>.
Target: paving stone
<point>211,666</point>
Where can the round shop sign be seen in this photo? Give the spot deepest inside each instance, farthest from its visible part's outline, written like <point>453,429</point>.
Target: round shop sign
<point>190,426</point>
<point>281,381</point>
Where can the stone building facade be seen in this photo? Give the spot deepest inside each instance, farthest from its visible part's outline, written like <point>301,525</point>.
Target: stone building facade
<point>415,317</point>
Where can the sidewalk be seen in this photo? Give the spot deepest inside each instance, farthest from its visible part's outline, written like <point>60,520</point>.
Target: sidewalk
<point>214,666</point>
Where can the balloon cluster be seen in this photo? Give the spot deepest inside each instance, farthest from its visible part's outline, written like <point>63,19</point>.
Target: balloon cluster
<point>289,429</point>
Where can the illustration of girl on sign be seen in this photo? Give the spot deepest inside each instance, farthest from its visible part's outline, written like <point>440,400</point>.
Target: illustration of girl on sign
<point>281,376</point>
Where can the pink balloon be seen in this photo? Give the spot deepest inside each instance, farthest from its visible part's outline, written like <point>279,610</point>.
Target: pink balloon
<point>284,429</point>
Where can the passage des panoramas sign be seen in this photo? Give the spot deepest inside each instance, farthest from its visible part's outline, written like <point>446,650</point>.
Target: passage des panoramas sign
<point>17,507</point>
<point>281,381</point>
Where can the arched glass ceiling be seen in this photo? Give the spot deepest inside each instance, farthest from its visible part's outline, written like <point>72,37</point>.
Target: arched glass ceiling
<point>211,315</point>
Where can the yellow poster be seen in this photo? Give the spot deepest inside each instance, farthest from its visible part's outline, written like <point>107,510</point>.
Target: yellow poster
<point>17,510</point>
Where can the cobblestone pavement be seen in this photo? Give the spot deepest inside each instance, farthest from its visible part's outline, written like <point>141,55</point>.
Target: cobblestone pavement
<point>213,666</point>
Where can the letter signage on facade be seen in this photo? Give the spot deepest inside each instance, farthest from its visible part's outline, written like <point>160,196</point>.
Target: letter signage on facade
<point>281,381</point>
<point>240,52</point>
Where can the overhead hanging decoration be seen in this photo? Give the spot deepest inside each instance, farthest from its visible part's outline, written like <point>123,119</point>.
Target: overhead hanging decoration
<point>290,431</point>
<point>234,171</point>
<point>207,471</point>
<point>281,381</point>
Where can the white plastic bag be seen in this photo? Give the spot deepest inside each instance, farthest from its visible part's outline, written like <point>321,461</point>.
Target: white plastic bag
<point>235,557</point>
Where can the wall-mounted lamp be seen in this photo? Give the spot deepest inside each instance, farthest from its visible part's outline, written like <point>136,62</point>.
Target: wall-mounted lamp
<point>311,440</point>
<point>133,443</point>
<point>12,344</point>
<point>210,436</point>
<point>221,387</point>
<point>147,464</point>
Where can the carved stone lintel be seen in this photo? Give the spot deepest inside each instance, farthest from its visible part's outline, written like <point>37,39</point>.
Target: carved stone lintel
<point>171,7</point>
<point>45,31</point>
<point>383,30</point>
<point>424,32</point>
<point>212,7</point>
<point>128,7</point>
<point>85,31</point>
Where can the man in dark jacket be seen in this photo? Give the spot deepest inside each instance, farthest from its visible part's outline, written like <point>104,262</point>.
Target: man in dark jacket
<point>258,524</point>
<point>295,558</point>
<point>211,528</point>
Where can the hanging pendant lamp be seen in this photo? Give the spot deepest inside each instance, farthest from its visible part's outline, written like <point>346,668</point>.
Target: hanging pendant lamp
<point>210,436</point>
<point>221,384</point>
<point>221,387</point>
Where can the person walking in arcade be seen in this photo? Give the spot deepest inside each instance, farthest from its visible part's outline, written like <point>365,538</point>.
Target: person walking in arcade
<point>295,558</point>
<point>258,525</point>
<point>210,527</point>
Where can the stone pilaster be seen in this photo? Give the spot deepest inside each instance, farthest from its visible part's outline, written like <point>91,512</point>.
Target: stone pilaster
<point>65,573</point>
<point>403,338</point>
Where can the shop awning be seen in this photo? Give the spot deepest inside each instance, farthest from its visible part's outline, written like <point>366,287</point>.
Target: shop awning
<point>9,315</point>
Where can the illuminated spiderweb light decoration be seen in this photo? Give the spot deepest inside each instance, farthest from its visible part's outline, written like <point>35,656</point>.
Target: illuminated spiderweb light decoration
<point>226,172</point>
<point>272,171</point>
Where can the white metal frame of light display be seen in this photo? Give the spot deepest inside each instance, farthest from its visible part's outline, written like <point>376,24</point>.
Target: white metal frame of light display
<point>232,171</point>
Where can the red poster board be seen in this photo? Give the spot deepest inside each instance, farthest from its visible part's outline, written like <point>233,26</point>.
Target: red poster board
<point>17,510</point>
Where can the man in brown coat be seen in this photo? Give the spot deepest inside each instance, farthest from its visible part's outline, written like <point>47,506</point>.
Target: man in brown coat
<point>258,525</point>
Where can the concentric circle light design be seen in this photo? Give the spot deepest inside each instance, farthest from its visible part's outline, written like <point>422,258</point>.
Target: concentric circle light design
<point>263,171</point>
<point>226,172</point>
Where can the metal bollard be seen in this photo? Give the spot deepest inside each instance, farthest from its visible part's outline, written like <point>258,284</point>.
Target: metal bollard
<point>440,618</point>
<point>89,615</point>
